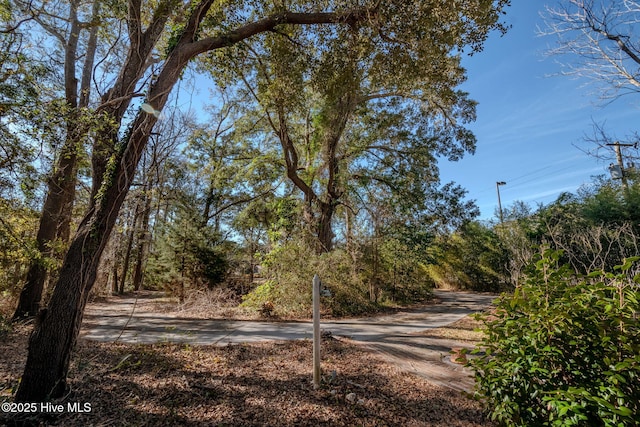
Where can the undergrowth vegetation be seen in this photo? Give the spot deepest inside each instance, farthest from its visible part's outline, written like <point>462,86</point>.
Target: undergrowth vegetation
<point>289,270</point>
<point>355,286</point>
<point>564,348</point>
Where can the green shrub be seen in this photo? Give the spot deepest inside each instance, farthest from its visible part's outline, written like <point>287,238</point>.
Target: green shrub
<point>563,350</point>
<point>473,258</point>
<point>289,270</point>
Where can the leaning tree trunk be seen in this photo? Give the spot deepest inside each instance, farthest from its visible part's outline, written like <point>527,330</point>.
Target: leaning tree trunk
<point>58,326</point>
<point>56,332</point>
<point>55,220</point>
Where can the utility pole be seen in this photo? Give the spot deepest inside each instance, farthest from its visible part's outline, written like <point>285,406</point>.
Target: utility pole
<point>498,184</point>
<point>617,146</point>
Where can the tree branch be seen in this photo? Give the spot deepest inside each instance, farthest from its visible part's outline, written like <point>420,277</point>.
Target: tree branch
<point>271,22</point>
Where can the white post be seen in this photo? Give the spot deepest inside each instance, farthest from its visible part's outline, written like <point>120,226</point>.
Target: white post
<point>316,332</point>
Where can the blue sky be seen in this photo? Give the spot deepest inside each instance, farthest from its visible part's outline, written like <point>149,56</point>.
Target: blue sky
<point>530,121</point>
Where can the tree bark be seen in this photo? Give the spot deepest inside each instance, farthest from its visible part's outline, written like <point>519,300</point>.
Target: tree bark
<point>127,255</point>
<point>56,331</point>
<point>57,328</point>
<point>325,229</point>
<point>55,334</point>
<point>31,294</point>
<point>143,245</point>
<point>114,284</point>
<point>84,97</point>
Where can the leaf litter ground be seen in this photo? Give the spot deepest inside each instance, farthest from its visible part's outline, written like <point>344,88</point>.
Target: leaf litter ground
<point>266,384</point>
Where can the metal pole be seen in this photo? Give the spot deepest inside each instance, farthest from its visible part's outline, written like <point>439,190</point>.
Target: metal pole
<point>316,332</point>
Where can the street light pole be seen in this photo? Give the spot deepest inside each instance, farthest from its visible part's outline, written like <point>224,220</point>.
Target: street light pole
<point>498,184</point>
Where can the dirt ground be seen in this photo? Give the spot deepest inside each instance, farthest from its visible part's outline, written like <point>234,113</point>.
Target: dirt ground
<point>266,384</point>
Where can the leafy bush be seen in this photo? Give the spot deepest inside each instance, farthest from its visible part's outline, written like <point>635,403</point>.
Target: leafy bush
<point>564,349</point>
<point>471,258</point>
<point>400,272</point>
<point>290,269</point>
<point>17,245</point>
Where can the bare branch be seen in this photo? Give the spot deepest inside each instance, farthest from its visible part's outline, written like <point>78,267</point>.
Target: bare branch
<point>602,40</point>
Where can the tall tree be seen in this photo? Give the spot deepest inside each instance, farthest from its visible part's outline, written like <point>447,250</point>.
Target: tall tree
<point>204,29</point>
<point>56,212</point>
<point>346,116</point>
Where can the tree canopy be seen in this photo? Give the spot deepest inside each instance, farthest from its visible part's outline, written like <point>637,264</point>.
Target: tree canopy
<point>354,99</point>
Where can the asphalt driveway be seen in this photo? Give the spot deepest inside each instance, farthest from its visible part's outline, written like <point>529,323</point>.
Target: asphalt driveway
<point>120,325</point>
<point>399,337</point>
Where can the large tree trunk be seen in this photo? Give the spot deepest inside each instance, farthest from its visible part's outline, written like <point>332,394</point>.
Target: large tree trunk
<point>61,188</point>
<point>84,98</point>
<point>57,328</point>
<point>325,229</point>
<point>63,232</point>
<point>55,334</point>
<point>31,294</point>
<point>56,217</point>
<point>56,331</point>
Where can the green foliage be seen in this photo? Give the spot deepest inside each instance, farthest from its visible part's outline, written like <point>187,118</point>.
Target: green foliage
<point>261,295</point>
<point>564,349</point>
<point>176,32</point>
<point>403,276</point>
<point>608,202</point>
<point>17,244</point>
<point>393,265</point>
<point>284,214</point>
<point>597,228</point>
<point>358,107</point>
<point>22,116</point>
<point>189,252</point>
<point>290,269</point>
<point>470,258</point>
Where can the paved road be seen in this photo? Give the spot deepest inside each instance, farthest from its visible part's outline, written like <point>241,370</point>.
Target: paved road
<point>104,324</point>
<point>393,336</point>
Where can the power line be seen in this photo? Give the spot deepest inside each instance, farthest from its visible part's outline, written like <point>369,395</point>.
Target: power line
<point>520,184</point>
<point>509,181</point>
<point>530,173</point>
